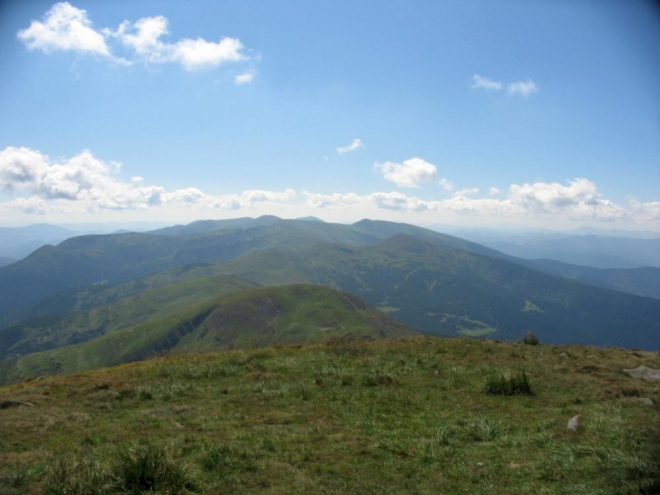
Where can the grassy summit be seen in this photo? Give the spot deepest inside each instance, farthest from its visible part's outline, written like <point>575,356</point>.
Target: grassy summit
<point>387,416</point>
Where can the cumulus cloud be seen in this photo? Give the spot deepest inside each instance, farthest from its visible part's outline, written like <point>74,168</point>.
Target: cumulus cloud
<point>95,185</point>
<point>410,173</point>
<point>33,205</point>
<point>64,28</point>
<point>144,38</point>
<point>578,200</point>
<point>480,82</point>
<point>355,145</point>
<point>85,183</point>
<point>199,53</point>
<point>522,88</point>
<point>82,178</point>
<point>516,88</point>
<point>68,28</point>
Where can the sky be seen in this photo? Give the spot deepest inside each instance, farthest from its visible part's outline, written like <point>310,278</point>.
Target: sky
<point>541,114</point>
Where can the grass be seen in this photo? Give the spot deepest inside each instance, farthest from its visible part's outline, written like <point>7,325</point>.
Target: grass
<point>502,384</point>
<point>399,416</point>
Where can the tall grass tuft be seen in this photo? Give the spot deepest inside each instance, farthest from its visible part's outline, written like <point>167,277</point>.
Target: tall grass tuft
<point>501,384</point>
<point>151,468</point>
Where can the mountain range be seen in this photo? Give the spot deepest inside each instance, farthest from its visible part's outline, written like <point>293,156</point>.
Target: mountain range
<point>104,299</point>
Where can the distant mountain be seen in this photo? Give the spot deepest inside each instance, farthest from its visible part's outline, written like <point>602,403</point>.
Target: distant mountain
<point>116,258</point>
<point>6,261</point>
<point>205,226</point>
<point>18,242</point>
<point>310,219</point>
<point>644,281</point>
<point>598,251</point>
<point>253,318</point>
<point>430,281</point>
<point>441,290</point>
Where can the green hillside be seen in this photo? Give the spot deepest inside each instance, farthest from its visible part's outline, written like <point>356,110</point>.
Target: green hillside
<point>250,318</point>
<point>387,416</point>
<point>444,291</point>
<point>88,297</point>
<point>48,332</point>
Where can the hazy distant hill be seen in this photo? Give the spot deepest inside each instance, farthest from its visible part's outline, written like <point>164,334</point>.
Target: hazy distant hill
<point>598,251</point>
<point>6,261</point>
<point>110,259</point>
<point>252,318</point>
<point>644,281</point>
<point>18,242</point>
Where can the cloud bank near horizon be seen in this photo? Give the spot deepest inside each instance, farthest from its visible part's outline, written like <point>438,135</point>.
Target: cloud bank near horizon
<point>85,185</point>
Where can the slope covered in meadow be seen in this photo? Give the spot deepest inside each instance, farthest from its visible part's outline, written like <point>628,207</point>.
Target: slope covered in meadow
<point>249,318</point>
<point>386,416</point>
<point>440,290</point>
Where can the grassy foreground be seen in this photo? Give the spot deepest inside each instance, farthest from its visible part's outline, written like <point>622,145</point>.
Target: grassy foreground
<point>394,416</point>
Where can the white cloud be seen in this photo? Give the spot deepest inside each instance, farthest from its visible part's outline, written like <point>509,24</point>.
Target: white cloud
<point>646,212</point>
<point>446,185</point>
<point>335,200</point>
<point>408,174</point>
<point>33,205</point>
<point>81,178</point>
<point>522,88</point>
<point>68,28</point>
<point>245,78</point>
<point>468,191</point>
<point>355,145</point>
<point>95,185</point>
<point>480,82</point>
<point>517,88</point>
<point>199,53</point>
<point>84,184</point>
<point>64,28</point>
<point>398,201</point>
<point>580,198</point>
<point>145,39</point>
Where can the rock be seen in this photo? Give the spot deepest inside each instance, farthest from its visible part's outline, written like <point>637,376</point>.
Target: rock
<point>644,400</point>
<point>563,355</point>
<point>481,464</point>
<point>648,374</point>
<point>574,423</point>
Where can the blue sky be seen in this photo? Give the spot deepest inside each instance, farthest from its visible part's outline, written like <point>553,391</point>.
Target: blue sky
<point>498,113</point>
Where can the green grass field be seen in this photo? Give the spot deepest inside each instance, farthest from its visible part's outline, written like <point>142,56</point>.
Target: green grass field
<point>391,416</point>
